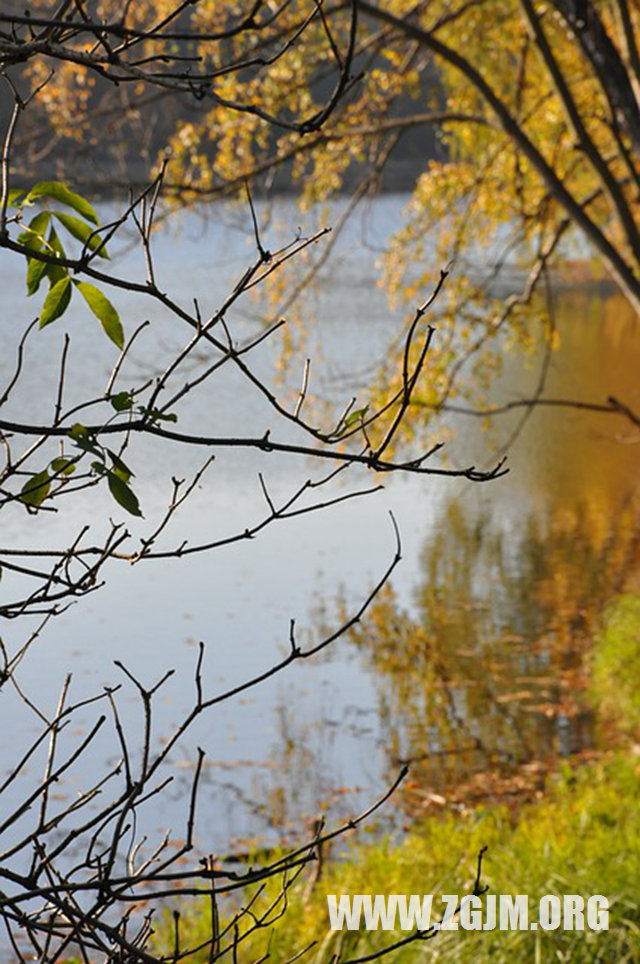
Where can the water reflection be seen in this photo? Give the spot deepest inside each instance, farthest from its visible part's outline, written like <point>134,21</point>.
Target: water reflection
<point>479,651</point>
<point>485,686</point>
<point>473,663</point>
<point>483,677</point>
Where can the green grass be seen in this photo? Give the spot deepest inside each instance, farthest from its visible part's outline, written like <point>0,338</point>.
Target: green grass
<point>616,665</point>
<point>582,838</point>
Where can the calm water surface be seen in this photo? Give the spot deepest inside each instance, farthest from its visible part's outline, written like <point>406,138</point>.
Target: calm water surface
<point>473,661</point>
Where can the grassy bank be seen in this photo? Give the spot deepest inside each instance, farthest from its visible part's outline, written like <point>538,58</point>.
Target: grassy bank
<point>582,838</point>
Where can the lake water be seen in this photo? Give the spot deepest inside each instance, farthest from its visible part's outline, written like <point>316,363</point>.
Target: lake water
<point>473,663</point>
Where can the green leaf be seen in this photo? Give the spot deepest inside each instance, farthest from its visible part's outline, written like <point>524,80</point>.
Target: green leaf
<point>157,416</point>
<point>36,489</point>
<point>55,243</point>
<point>355,417</point>
<point>40,222</point>
<point>60,192</point>
<point>33,235</point>
<point>29,239</point>
<point>121,470</point>
<point>36,270</point>
<point>83,233</point>
<point>78,431</point>
<point>83,438</point>
<point>33,238</point>
<point>56,302</point>
<point>13,199</point>
<point>54,272</point>
<point>122,401</point>
<point>103,310</point>
<point>123,495</point>
<point>66,466</point>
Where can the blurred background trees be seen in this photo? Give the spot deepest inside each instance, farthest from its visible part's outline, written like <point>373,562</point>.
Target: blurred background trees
<point>515,126</point>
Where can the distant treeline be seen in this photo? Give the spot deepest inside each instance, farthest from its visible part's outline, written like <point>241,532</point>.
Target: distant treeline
<point>126,134</point>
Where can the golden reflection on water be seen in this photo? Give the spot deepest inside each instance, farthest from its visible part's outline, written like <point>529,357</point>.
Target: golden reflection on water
<point>568,453</point>
<point>484,684</point>
<point>483,678</point>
